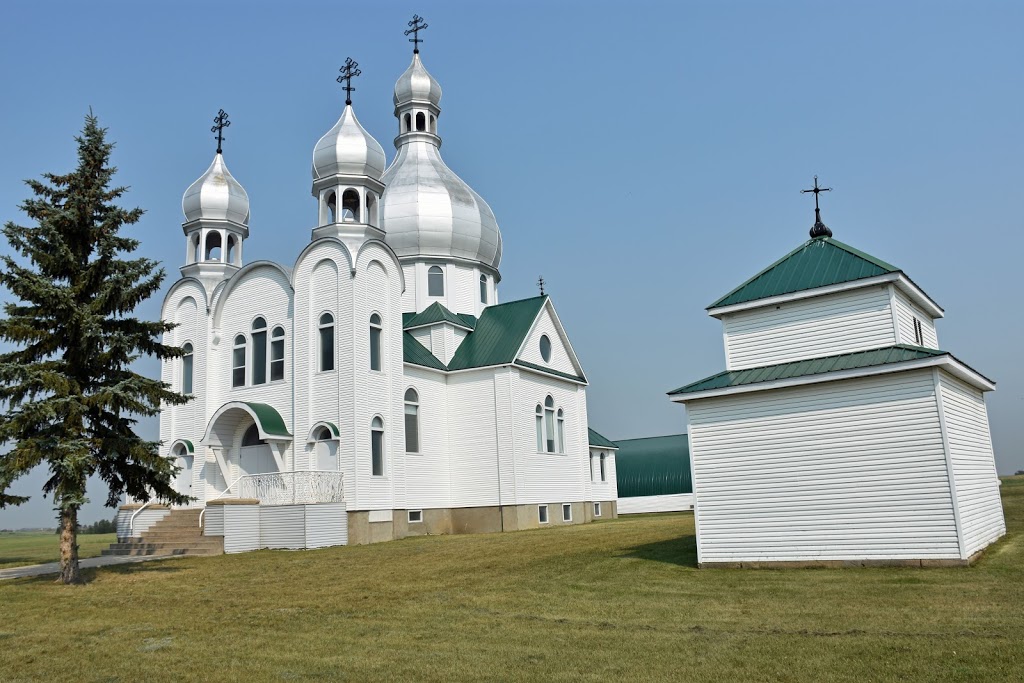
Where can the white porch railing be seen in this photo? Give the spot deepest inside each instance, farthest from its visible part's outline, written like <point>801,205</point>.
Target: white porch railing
<point>291,488</point>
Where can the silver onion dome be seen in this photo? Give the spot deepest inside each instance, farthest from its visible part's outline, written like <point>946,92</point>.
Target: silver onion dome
<point>417,85</point>
<point>216,195</point>
<point>348,149</point>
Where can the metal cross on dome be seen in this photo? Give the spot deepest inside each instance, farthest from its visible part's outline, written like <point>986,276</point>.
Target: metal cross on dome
<point>816,190</point>
<point>348,72</point>
<point>819,229</point>
<point>417,24</point>
<point>540,283</point>
<point>220,122</point>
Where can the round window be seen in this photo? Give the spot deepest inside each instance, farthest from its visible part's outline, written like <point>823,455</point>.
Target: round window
<point>545,348</point>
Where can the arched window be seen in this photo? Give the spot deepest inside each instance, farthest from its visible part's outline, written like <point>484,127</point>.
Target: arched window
<point>259,351</point>
<point>591,465</point>
<point>412,421</point>
<point>561,431</point>
<point>408,123</point>
<point>238,362</point>
<point>326,342</point>
<point>377,447</point>
<point>549,424</point>
<point>232,249</point>
<point>435,281</point>
<point>540,429</point>
<point>332,207</point>
<point>277,354</point>
<point>545,348</point>
<point>371,209</point>
<point>483,289</point>
<point>375,332</point>
<point>350,206</point>
<point>433,124</point>
<point>252,437</point>
<point>186,369</point>
<point>325,450</point>
<point>603,475</point>
<point>213,246</point>
<point>195,248</point>
<point>421,121</point>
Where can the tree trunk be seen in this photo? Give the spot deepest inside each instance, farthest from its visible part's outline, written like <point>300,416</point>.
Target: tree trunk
<point>69,572</point>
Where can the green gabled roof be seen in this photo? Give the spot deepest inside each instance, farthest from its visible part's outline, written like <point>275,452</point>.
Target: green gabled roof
<point>654,466</point>
<point>406,317</point>
<point>417,354</point>
<point>550,371</point>
<point>270,420</point>
<point>432,314</point>
<point>818,262</point>
<point>499,333</point>
<point>469,319</point>
<point>812,366</point>
<point>600,441</point>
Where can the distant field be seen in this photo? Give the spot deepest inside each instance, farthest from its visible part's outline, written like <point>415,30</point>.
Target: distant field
<point>613,601</point>
<point>36,547</point>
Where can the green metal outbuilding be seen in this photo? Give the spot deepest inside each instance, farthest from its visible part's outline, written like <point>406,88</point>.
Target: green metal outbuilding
<point>653,474</point>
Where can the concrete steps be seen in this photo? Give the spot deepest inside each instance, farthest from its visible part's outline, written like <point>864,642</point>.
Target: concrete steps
<point>176,534</point>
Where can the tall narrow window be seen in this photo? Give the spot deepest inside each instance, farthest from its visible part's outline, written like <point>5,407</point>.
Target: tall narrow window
<point>435,281</point>
<point>918,333</point>
<point>213,246</point>
<point>238,362</point>
<point>259,351</point>
<point>561,431</point>
<point>421,121</point>
<point>350,206</point>
<point>326,342</point>
<point>277,354</point>
<point>604,474</point>
<point>549,424</point>
<point>377,447</point>
<point>232,251</point>
<point>483,289</point>
<point>375,330</point>
<point>332,207</point>
<point>186,369</point>
<point>408,123</point>
<point>540,428</point>
<point>195,248</point>
<point>591,465</point>
<point>412,421</point>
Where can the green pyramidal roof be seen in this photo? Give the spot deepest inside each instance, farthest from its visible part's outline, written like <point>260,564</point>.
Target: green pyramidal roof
<point>417,354</point>
<point>499,333</point>
<point>436,313</point>
<point>598,440</point>
<point>818,262</point>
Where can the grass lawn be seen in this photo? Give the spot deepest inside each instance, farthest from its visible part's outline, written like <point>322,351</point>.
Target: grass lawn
<point>36,547</point>
<point>616,600</point>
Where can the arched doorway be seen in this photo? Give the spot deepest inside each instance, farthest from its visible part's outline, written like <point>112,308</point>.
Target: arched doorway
<point>245,438</point>
<point>254,455</point>
<point>186,462</point>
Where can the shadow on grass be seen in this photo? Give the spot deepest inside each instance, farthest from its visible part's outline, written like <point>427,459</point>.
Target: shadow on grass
<point>680,551</point>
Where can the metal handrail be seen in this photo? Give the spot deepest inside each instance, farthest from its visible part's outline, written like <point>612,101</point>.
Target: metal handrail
<point>221,495</point>
<point>131,522</point>
<point>218,497</point>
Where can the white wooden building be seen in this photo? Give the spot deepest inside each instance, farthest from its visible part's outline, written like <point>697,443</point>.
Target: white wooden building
<point>839,433</point>
<point>374,387</point>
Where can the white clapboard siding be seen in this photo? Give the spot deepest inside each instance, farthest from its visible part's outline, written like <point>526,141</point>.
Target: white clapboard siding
<point>472,437</point>
<point>326,525</point>
<point>427,477</point>
<point>241,528</point>
<point>837,323</point>
<point>636,505</point>
<point>283,526</point>
<point>906,311</point>
<point>561,360</point>
<point>607,489</point>
<point>548,477</point>
<point>213,521</point>
<point>970,450</point>
<point>143,521</point>
<point>853,469</point>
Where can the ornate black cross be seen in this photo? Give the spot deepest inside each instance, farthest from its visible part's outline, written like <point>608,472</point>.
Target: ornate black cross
<point>540,283</point>
<point>348,72</point>
<point>417,24</point>
<point>220,122</point>
<point>819,229</point>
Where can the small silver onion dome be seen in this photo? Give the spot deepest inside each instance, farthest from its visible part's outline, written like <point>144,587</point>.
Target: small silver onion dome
<point>417,85</point>
<point>216,195</point>
<point>427,210</point>
<point>348,149</point>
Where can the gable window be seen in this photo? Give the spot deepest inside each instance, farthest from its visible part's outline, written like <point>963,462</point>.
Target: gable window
<point>483,289</point>
<point>435,281</point>
<point>918,332</point>
<point>566,512</point>
<point>186,369</point>
<point>561,431</point>
<point>604,475</point>
<point>549,424</point>
<point>412,421</point>
<point>238,362</point>
<point>375,330</point>
<point>545,348</point>
<point>326,342</point>
<point>277,354</point>
<point>259,351</point>
<point>377,447</point>
<point>542,514</point>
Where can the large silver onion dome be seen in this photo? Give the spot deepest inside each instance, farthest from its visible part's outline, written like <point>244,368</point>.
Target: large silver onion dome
<point>427,210</point>
<point>348,149</point>
<point>417,85</point>
<point>216,195</point>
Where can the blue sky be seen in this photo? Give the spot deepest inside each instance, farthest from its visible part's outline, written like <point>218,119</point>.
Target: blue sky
<point>644,157</point>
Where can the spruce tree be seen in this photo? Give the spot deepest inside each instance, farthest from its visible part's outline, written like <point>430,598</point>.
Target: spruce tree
<point>69,397</point>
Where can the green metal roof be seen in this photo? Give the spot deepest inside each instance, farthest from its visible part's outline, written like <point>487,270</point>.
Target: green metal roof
<point>818,262</point>
<point>499,333</point>
<point>189,448</point>
<point>270,420</point>
<point>549,371</point>
<point>812,366</point>
<point>432,314</point>
<point>655,466</point>
<point>599,441</point>
<point>417,354</point>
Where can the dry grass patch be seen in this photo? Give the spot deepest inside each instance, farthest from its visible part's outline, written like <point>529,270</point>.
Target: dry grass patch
<point>615,600</point>
<point>36,547</point>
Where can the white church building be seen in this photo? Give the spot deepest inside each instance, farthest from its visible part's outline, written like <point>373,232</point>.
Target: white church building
<point>839,433</point>
<point>375,387</point>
